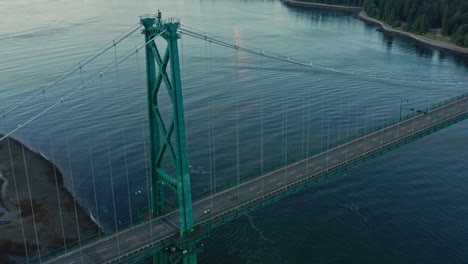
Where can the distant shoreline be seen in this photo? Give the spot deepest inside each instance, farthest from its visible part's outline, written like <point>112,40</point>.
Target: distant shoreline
<point>431,42</point>
<point>363,16</point>
<point>310,4</point>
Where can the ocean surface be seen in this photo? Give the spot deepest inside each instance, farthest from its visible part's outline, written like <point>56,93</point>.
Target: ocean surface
<point>245,114</point>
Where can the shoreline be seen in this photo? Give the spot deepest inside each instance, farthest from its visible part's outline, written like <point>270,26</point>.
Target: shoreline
<point>310,4</point>
<point>40,214</point>
<point>363,16</point>
<point>419,38</point>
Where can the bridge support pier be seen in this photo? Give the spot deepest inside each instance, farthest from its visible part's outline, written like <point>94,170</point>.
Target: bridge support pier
<point>160,258</point>
<point>169,166</point>
<point>186,254</point>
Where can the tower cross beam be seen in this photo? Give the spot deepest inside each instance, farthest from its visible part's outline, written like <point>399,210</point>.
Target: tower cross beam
<point>166,143</point>
<point>167,179</point>
<point>162,64</point>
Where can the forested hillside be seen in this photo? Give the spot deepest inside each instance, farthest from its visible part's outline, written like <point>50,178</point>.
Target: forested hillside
<point>417,15</point>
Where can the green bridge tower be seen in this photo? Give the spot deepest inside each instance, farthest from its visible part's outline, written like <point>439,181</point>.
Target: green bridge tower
<point>167,139</point>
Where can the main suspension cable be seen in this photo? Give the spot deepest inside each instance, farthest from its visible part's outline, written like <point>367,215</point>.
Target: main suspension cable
<point>110,67</point>
<point>72,70</point>
<point>279,57</point>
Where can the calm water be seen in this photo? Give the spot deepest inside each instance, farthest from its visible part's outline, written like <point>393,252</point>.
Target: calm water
<point>406,207</point>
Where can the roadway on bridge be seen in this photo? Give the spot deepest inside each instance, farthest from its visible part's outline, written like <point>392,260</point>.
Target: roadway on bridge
<point>216,208</point>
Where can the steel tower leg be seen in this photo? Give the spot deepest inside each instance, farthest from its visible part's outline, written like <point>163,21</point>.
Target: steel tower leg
<point>167,139</point>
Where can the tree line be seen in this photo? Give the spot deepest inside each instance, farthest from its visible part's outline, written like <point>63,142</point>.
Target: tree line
<point>451,16</point>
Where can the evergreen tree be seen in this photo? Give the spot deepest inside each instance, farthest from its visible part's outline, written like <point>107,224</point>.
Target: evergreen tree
<point>416,15</point>
<point>445,21</point>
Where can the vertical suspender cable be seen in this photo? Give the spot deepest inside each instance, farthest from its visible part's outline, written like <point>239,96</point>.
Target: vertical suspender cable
<point>58,196</point>
<point>210,136</point>
<point>116,66</point>
<point>307,140</point>
<point>93,177</point>
<point>356,120</point>
<point>283,133</point>
<point>31,201</point>
<point>339,121</point>
<point>237,153</point>
<point>18,199</point>
<point>285,142</point>
<point>399,121</point>
<point>113,195</point>
<point>213,145</point>
<point>328,139</point>
<point>128,181</point>
<point>213,137</point>
<point>213,153</point>
<point>74,195</point>
<point>262,145</point>
<point>148,188</point>
<point>304,128</point>
<point>366,124</point>
<point>210,151</point>
<point>321,131</point>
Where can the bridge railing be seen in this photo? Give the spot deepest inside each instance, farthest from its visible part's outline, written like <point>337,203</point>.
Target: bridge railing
<point>316,151</point>
<point>171,20</point>
<point>148,15</point>
<point>93,238</point>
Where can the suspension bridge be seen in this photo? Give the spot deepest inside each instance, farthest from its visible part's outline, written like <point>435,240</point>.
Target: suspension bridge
<point>175,236</point>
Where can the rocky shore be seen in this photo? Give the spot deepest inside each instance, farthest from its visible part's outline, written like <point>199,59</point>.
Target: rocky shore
<point>37,213</point>
<point>362,15</point>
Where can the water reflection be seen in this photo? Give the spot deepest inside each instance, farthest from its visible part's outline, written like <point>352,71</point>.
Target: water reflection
<point>238,42</point>
<point>321,17</point>
<point>388,41</point>
<point>459,59</point>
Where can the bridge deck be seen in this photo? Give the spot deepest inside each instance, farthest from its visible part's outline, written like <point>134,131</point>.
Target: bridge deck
<point>233,202</point>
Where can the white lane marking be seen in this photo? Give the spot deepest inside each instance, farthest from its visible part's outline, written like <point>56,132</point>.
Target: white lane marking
<point>101,250</point>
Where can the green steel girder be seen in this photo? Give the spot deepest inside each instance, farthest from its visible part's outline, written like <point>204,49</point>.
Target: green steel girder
<point>162,74</point>
<point>167,139</point>
<point>161,253</point>
<point>289,190</point>
<point>168,180</point>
